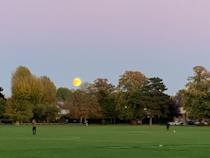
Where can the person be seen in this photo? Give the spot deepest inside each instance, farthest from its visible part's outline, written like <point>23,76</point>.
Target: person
<point>168,126</point>
<point>34,126</point>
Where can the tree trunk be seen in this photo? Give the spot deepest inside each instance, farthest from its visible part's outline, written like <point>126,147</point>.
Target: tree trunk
<point>81,119</point>
<point>114,120</point>
<point>150,121</point>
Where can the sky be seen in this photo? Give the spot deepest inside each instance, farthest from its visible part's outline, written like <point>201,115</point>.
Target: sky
<point>104,38</point>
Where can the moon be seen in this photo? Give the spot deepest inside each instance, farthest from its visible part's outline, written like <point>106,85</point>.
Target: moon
<point>76,82</point>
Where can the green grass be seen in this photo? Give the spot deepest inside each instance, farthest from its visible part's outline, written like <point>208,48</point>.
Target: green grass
<point>104,142</point>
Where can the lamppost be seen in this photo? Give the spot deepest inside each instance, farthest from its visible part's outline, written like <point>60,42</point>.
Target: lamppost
<point>126,112</point>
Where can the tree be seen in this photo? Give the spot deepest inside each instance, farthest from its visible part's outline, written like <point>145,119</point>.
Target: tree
<point>46,109</point>
<point>1,95</point>
<point>155,86</point>
<point>124,109</point>
<point>25,86</point>
<point>50,113</point>
<point>63,94</point>
<point>131,81</point>
<point>103,90</point>
<point>45,112</point>
<point>2,103</point>
<point>48,91</point>
<point>154,100</point>
<point>26,94</point>
<point>129,88</point>
<point>195,98</point>
<point>2,107</point>
<point>38,92</point>
<point>84,105</point>
<point>19,110</point>
<point>174,106</point>
<point>39,112</point>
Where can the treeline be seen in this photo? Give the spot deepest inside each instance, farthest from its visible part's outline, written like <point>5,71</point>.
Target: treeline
<point>136,97</point>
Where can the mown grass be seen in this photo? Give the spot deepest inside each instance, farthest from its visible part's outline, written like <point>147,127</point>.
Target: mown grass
<point>104,142</point>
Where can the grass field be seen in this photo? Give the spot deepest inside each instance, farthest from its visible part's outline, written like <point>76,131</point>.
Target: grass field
<point>104,142</point>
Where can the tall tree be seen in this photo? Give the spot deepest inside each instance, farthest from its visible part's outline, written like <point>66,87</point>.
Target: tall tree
<point>25,86</point>
<point>48,91</point>
<point>131,81</point>
<point>25,93</point>
<point>36,94</point>
<point>155,101</point>
<point>104,93</point>
<point>130,84</point>
<point>196,95</point>
<point>46,109</point>
<point>84,105</point>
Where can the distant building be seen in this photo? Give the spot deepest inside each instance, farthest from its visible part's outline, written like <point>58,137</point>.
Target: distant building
<point>182,117</point>
<point>62,109</point>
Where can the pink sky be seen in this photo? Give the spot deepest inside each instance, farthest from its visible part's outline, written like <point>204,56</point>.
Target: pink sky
<point>151,21</point>
<point>157,37</point>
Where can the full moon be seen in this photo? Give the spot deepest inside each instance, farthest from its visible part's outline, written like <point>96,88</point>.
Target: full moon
<point>76,82</point>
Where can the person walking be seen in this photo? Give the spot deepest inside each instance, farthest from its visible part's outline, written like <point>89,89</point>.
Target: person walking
<point>34,126</point>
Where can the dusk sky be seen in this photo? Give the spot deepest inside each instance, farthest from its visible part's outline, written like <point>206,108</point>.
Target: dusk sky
<point>64,39</point>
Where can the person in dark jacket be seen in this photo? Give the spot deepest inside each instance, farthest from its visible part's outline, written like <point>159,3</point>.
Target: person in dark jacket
<point>34,126</point>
